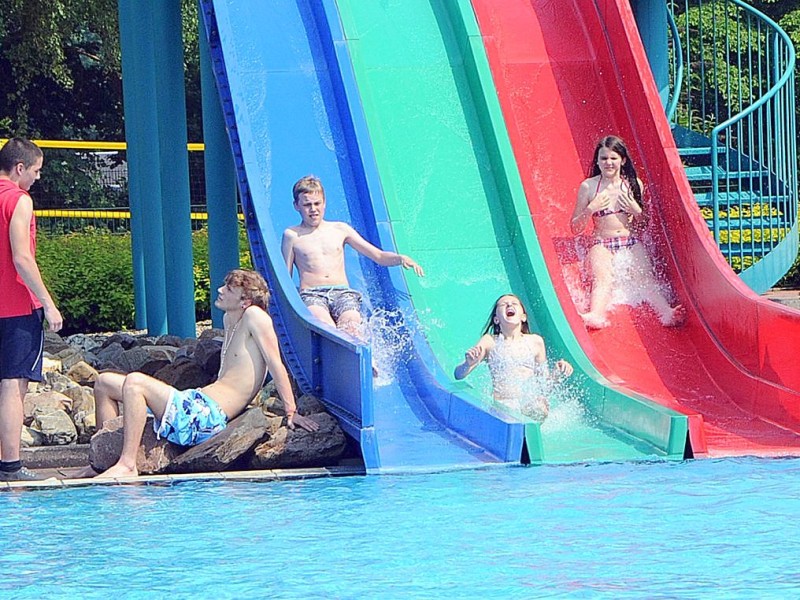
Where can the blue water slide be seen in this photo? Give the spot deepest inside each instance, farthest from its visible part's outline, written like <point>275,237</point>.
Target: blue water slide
<point>291,108</point>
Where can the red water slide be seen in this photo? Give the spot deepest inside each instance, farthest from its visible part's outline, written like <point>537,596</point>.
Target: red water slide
<point>568,72</point>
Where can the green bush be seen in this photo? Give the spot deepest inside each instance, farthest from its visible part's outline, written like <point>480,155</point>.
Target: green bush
<point>90,276</point>
<point>91,279</point>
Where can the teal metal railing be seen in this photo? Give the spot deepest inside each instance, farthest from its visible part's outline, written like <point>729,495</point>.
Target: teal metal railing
<point>676,67</point>
<point>735,125</point>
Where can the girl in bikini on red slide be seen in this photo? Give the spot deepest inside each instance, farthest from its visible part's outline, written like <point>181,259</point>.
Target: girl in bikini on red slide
<point>611,198</point>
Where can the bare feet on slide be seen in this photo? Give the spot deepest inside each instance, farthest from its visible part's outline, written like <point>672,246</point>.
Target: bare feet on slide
<point>676,317</point>
<point>593,321</point>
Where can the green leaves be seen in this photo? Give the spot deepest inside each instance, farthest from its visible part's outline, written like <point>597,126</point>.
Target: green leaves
<point>90,276</point>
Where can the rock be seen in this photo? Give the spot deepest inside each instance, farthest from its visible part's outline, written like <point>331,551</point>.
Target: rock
<point>293,448</point>
<point>80,396</point>
<point>108,356</point>
<point>58,382</point>
<point>207,355</point>
<point>158,352</point>
<point>184,374</point>
<point>132,360</point>
<point>124,340</point>
<point>171,340</point>
<point>213,334</point>
<point>69,356</point>
<point>82,373</point>
<point>228,446</point>
<point>53,343</point>
<point>84,343</point>
<point>154,454</point>
<point>84,417</point>
<point>306,404</point>
<point>44,402</point>
<point>154,366</point>
<point>56,427</point>
<point>51,365</point>
<point>31,437</point>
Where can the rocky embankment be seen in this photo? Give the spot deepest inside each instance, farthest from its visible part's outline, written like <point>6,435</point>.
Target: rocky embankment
<point>60,411</point>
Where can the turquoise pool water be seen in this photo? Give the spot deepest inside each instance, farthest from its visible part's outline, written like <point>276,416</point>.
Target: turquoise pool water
<point>706,528</point>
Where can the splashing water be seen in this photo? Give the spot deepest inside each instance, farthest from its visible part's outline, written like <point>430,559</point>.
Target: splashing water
<point>535,394</point>
<point>634,283</point>
<point>391,340</point>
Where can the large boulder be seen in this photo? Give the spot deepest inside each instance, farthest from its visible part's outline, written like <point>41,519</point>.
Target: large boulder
<point>44,402</point>
<point>294,448</point>
<point>154,454</point>
<point>184,374</point>
<point>224,449</point>
<point>82,373</point>
<point>31,437</point>
<point>207,355</point>
<point>83,415</point>
<point>307,404</point>
<point>69,356</point>
<point>58,382</point>
<point>125,340</point>
<point>56,427</point>
<point>108,357</point>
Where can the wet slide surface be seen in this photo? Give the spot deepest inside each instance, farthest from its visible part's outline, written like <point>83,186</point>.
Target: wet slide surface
<point>568,73</point>
<point>280,72</point>
<point>450,206</point>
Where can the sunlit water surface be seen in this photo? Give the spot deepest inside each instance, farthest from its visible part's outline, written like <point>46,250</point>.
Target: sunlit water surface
<point>707,528</point>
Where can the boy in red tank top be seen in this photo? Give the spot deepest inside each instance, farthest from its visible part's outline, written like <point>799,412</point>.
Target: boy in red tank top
<point>25,303</point>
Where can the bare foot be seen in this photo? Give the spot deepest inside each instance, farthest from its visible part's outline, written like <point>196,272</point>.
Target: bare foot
<point>676,317</point>
<point>592,321</point>
<point>119,470</point>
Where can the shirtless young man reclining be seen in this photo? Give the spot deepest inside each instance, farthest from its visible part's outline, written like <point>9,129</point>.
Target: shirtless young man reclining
<point>189,417</point>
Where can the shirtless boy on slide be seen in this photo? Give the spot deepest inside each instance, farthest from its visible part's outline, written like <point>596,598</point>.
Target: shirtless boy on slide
<point>316,248</point>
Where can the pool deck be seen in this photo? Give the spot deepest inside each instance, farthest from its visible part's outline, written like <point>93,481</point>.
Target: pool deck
<point>787,297</point>
<point>60,478</point>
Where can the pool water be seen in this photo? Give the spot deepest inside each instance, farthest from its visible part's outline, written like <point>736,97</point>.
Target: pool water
<point>716,528</point>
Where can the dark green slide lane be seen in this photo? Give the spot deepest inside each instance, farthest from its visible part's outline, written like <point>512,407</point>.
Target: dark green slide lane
<point>456,205</point>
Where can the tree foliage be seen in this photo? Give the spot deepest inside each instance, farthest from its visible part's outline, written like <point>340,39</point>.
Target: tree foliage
<point>60,61</point>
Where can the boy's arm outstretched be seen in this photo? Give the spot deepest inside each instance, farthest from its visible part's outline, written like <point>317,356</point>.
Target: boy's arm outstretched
<point>382,257</point>
<point>267,340</point>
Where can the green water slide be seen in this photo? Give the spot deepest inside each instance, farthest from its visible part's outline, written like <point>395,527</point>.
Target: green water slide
<point>457,205</point>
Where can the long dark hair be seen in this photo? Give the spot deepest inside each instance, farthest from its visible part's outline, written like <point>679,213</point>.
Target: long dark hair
<point>494,328</point>
<point>628,171</point>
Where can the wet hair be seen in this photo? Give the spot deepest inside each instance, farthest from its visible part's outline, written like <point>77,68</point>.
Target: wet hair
<point>254,288</point>
<point>494,328</point>
<point>18,150</point>
<point>307,185</point>
<point>628,171</point>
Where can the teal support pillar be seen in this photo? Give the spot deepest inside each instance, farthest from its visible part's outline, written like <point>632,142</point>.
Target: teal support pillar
<point>158,167</point>
<point>651,19</point>
<point>221,202</point>
<point>172,166</point>
<point>138,76</point>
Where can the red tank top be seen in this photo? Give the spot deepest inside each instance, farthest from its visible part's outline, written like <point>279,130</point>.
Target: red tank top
<point>16,299</point>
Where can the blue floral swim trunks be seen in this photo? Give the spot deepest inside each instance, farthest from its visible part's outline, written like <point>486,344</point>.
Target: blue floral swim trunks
<point>190,418</point>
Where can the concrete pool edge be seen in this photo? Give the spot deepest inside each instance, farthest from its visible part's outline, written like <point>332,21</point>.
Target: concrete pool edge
<point>261,475</point>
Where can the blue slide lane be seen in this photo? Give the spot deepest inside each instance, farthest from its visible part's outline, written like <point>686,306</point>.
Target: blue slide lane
<point>291,108</point>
